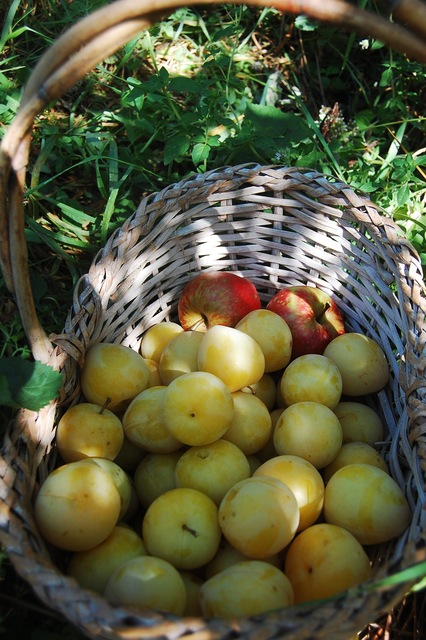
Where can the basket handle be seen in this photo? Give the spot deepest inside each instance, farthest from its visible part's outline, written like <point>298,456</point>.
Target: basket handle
<point>89,42</point>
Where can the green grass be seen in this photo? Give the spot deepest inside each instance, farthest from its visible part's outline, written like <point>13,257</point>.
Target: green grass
<point>200,90</point>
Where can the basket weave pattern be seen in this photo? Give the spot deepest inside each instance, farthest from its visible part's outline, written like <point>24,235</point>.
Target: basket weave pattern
<point>277,226</point>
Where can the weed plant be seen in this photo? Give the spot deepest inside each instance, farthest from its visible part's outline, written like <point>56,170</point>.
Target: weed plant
<point>201,89</point>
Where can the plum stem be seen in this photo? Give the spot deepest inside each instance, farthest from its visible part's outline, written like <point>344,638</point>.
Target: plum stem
<point>105,405</point>
<point>191,531</point>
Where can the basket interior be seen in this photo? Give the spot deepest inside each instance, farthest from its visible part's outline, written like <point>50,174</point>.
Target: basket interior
<point>277,226</point>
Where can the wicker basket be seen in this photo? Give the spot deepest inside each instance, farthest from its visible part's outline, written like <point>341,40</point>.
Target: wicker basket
<point>276,225</point>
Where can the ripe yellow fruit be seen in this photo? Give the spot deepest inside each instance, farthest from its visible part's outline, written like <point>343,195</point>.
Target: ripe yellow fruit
<point>367,502</point>
<point>129,455</point>
<point>309,430</point>
<point>212,469</point>
<point>355,452</point>
<point>197,408</point>
<point>324,560</point>
<point>251,425</point>
<point>231,355</point>
<point>121,480</point>
<point>181,526</point>
<point>273,335</point>
<point>147,582</point>
<point>78,506</point>
<point>259,516</point>
<point>155,339</point>
<point>92,568</point>
<point>154,373</point>
<point>311,378</point>
<point>179,356</point>
<point>192,584</point>
<point>113,373</point>
<point>87,430</point>
<point>360,423</point>
<point>144,423</point>
<point>246,588</point>
<point>361,361</point>
<point>155,475</point>
<point>227,555</point>
<point>303,479</point>
<point>265,389</point>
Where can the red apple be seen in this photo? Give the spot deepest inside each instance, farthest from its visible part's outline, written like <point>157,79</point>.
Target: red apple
<point>312,315</point>
<point>212,298</point>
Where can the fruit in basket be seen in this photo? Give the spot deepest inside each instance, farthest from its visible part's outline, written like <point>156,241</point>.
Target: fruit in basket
<point>181,526</point>
<point>154,374</point>
<point>157,337</point>
<point>246,588</point>
<point>353,453</point>
<point>265,389</point>
<point>251,425</point>
<point>227,555</point>
<point>309,430</point>
<point>122,483</point>
<point>179,356</point>
<point>213,468</point>
<point>368,502</point>
<point>145,583</point>
<point>92,568</point>
<point>311,378</point>
<point>212,298</point>
<point>272,333</point>
<point>361,361</point>
<point>113,374</point>
<point>360,423</point>
<point>192,584</point>
<point>303,479</point>
<point>129,455</point>
<point>197,408</point>
<point>312,315</point>
<point>228,454</point>
<point>324,560</point>
<point>231,355</point>
<point>144,424</point>
<point>88,430</point>
<point>155,475</point>
<point>78,506</point>
<point>259,516</point>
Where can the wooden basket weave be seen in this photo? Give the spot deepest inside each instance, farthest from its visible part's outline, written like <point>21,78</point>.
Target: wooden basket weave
<point>276,225</point>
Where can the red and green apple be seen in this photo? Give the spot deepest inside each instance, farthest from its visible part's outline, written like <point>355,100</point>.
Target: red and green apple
<point>212,298</point>
<point>312,315</point>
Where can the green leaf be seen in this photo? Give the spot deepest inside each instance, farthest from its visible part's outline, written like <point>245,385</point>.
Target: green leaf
<point>200,152</point>
<point>386,78</point>
<point>185,85</point>
<point>268,119</point>
<point>403,195</point>
<point>30,385</point>
<point>163,74</point>
<point>175,147</point>
<point>304,23</point>
<point>364,119</point>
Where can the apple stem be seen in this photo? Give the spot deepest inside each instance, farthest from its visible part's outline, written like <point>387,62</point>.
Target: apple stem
<point>324,310</point>
<point>191,531</point>
<point>105,405</point>
<point>201,321</point>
